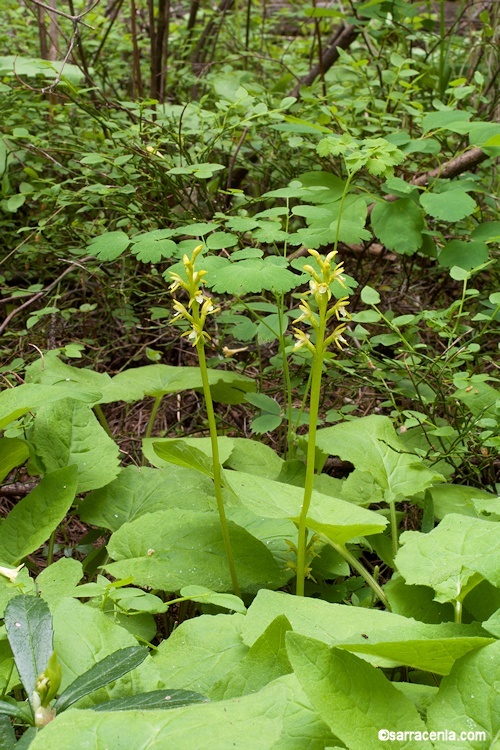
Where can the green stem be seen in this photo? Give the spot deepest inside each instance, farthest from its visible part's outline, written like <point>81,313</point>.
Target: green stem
<point>50,548</point>
<point>151,421</point>
<point>152,416</point>
<point>360,568</point>
<point>317,371</point>
<point>394,527</point>
<point>102,419</point>
<point>457,606</point>
<point>286,379</point>
<point>460,310</point>
<point>200,348</point>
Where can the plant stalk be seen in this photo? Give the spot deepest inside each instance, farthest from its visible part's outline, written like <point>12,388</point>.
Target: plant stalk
<point>360,568</point>
<point>317,370</point>
<point>200,348</point>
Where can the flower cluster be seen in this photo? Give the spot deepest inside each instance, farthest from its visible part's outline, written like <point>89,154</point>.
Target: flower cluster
<point>199,306</point>
<point>319,287</point>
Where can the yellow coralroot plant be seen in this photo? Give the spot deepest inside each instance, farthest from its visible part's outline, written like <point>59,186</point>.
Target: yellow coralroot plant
<point>198,308</point>
<point>317,340</point>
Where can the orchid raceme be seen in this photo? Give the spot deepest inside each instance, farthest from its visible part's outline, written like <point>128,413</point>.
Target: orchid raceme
<point>200,304</point>
<point>319,287</point>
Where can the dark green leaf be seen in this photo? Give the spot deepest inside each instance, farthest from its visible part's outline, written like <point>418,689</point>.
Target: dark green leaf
<point>109,669</point>
<point>29,629</point>
<point>31,522</point>
<point>398,225</point>
<point>156,699</point>
<point>109,246</point>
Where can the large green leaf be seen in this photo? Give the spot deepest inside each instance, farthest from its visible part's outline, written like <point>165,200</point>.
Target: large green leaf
<point>266,661</point>
<point>31,522</point>
<point>159,380</point>
<point>14,402</point>
<point>251,276</point>
<point>201,652</point>
<point>467,255</point>
<point>59,580</point>
<point>176,548</point>
<point>254,457</point>
<point>383,638</point>
<point>416,601</point>
<point>398,225</point>
<point>352,697</point>
<point>452,205</point>
<point>468,700</point>
<point>111,668</point>
<point>67,433</point>
<point>254,722</point>
<point>83,636</point>
<point>339,520</point>
<point>372,445</point>
<point>29,630</point>
<point>454,556</point>
<point>50,370</point>
<point>109,246</point>
<point>199,444</point>
<point>137,491</point>
<point>13,452</point>
<point>468,501</point>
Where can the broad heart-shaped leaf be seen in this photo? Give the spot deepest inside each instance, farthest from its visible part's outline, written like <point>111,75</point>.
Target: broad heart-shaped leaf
<point>252,276</point>
<point>109,669</point>
<point>14,402</point>
<point>266,661</point>
<point>84,636</point>
<point>67,433</point>
<point>254,457</point>
<point>468,700</point>
<point>382,638</point>
<point>372,445</point>
<point>452,205</point>
<point>200,652</point>
<point>159,380</point>
<point>337,519</point>
<point>467,255</point>
<point>351,696</point>
<point>450,556</point>
<point>137,491</point>
<point>31,522</point>
<point>188,456</point>
<point>52,371</point>
<point>398,225</point>
<point>416,601</point>
<point>195,446</point>
<point>13,452</point>
<point>176,548</point>
<point>254,722</point>
<point>59,580</point>
<point>29,629</point>
<point>154,700</point>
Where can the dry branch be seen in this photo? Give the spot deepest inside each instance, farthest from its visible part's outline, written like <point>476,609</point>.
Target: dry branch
<point>342,39</point>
